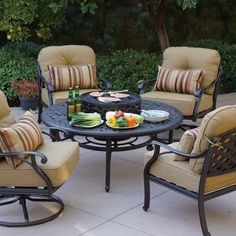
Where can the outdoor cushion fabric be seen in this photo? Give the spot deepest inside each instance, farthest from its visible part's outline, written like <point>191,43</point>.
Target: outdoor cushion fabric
<point>64,56</point>
<point>178,172</point>
<point>24,135</point>
<point>178,81</point>
<point>184,102</point>
<point>190,58</point>
<point>213,124</point>
<point>61,96</point>
<point>6,117</point>
<point>62,159</point>
<point>186,143</point>
<point>63,78</point>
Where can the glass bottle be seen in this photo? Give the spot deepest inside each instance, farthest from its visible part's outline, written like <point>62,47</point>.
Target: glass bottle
<point>70,104</point>
<point>77,100</point>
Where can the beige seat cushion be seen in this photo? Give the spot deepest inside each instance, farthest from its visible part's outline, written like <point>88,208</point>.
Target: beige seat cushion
<point>207,60</point>
<point>65,56</point>
<point>179,173</point>
<point>184,102</point>
<point>61,96</point>
<point>62,157</point>
<point>213,124</point>
<point>6,116</point>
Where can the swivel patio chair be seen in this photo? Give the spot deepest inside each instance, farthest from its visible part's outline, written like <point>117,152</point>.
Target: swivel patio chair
<point>188,80</point>
<point>31,170</point>
<point>61,67</point>
<point>201,166</point>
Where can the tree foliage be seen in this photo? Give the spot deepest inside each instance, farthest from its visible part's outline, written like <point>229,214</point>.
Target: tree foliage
<point>25,19</point>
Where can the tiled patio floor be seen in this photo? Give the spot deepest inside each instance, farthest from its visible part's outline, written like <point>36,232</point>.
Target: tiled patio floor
<point>90,211</point>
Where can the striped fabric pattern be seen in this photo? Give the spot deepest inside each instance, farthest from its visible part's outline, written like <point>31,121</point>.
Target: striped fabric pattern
<point>186,143</point>
<point>63,78</point>
<point>24,135</point>
<point>178,81</point>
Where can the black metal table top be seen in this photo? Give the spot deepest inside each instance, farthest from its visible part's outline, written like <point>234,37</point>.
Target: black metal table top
<point>55,116</point>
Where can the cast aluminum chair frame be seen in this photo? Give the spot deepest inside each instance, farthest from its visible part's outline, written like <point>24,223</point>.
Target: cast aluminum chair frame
<point>220,158</point>
<point>12,194</point>
<point>43,83</point>
<point>198,94</point>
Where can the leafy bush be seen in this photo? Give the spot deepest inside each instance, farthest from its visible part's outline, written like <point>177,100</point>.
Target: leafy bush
<point>125,68</point>
<point>17,61</point>
<point>228,59</point>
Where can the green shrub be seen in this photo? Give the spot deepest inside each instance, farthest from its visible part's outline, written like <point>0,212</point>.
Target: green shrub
<point>17,61</point>
<point>228,61</point>
<point>125,68</point>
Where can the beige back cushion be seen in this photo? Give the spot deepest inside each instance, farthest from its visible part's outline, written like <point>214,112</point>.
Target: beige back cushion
<point>185,58</point>
<point>65,56</point>
<point>6,117</point>
<point>213,124</point>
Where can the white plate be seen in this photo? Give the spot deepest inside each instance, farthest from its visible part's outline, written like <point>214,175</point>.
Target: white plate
<point>87,126</point>
<point>122,127</point>
<point>155,115</point>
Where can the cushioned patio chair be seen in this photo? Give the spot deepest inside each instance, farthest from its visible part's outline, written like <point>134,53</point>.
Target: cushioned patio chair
<point>61,67</point>
<point>201,166</point>
<point>31,170</point>
<point>188,80</point>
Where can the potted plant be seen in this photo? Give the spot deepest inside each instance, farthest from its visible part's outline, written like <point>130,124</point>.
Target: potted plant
<point>28,93</point>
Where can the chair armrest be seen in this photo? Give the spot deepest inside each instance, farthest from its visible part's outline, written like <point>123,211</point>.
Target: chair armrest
<point>43,158</point>
<point>200,91</point>
<point>142,85</point>
<point>34,165</point>
<point>106,83</point>
<point>48,85</point>
<point>157,145</point>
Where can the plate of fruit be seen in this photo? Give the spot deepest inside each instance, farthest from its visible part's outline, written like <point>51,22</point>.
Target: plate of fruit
<point>121,120</point>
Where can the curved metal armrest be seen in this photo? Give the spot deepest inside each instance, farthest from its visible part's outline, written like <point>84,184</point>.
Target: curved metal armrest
<point>172,150</point>
<point>200,91</point>
<point>142,85</point>
<point>44,159</point>
<point>106,83</point>
<point>48,85</point>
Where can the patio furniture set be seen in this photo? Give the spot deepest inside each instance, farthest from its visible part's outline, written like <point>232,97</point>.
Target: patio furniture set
<point>201,165</point>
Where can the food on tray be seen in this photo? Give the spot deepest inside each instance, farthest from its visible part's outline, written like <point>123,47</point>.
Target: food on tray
<point>119,119</point>
<point>108,99</point>
<point>96,94</point>
<point>119,95</point>
<point>86,119</point>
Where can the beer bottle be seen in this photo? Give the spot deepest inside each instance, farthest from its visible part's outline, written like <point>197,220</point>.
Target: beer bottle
<point>70,104</point>
<point>77,99</point>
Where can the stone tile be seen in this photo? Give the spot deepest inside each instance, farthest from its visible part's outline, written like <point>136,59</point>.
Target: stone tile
<point>86,187</point>
<point>72,222</point>
<point>174,214</point>
<point>116,229</point>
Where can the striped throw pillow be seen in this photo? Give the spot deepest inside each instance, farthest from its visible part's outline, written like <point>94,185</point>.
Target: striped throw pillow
<point>24,135</point>
<point>186,143</point>
<point>63,78</point>
<point>178,81</point>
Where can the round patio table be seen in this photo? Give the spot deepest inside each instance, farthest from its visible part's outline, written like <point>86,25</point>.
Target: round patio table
<point>104,138</point>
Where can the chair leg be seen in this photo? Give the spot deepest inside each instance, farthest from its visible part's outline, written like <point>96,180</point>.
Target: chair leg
<point>24,208</point>
<point>146,193</point>
<point>202,217</point>
<point>22,199</point>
